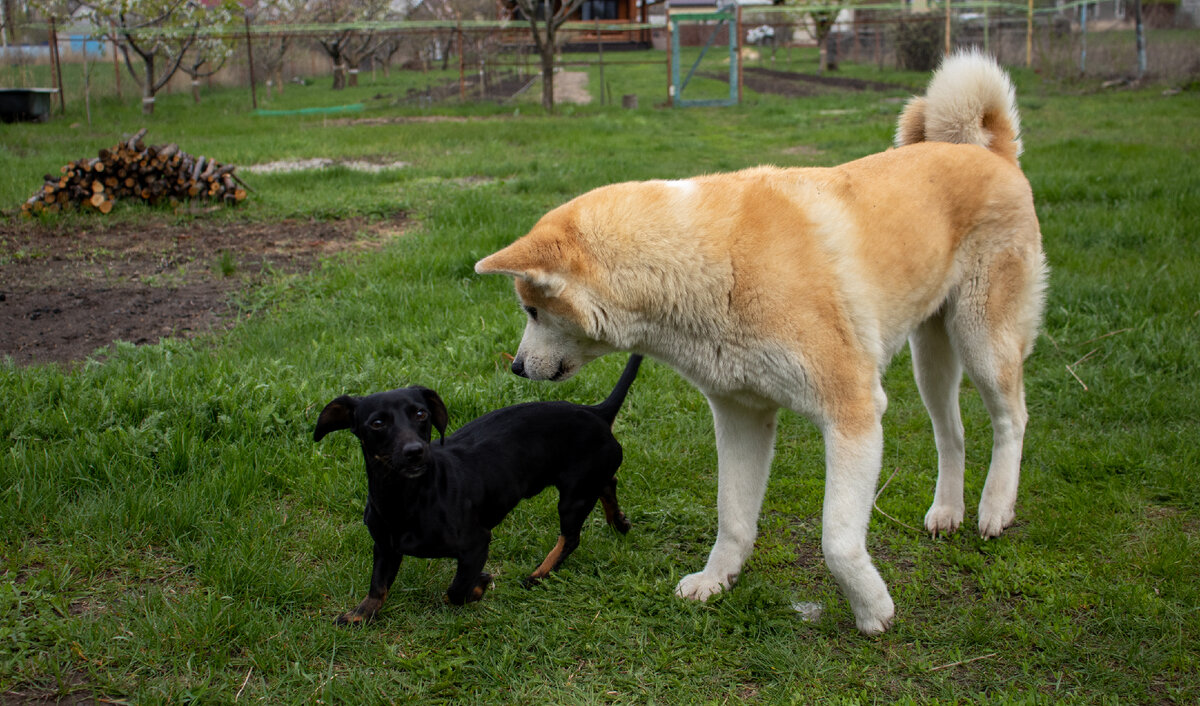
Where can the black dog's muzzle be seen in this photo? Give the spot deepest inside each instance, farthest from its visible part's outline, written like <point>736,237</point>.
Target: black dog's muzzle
<point>413,455</point>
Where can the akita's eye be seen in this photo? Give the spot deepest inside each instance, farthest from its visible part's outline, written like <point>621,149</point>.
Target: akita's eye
<point>376,423</point>
<point>532,312</point>
<point>421,415</point>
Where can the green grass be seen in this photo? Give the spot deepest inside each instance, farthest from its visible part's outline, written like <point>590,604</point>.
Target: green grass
<point>169,531</point>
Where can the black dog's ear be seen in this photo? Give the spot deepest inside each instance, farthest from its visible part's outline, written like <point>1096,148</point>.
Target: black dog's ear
<point>338,414</point>
<point>437,408</point>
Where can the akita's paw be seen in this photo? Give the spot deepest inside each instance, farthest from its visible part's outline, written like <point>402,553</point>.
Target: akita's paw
<point>943,519</point>
<point>700,586</point>
<point>992,522</point>
<point>873,626</point>
<point>874,616</point>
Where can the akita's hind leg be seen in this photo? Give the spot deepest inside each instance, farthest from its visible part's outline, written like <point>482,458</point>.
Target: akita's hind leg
<point>938,373</point>
<point>993,327</point>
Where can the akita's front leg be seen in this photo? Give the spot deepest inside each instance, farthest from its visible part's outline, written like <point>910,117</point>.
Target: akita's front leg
<point>853,454</point>
<point>745,445</point>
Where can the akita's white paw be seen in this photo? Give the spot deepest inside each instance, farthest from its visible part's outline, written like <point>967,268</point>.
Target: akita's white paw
<point>993,522</point>
<point>877,620</point>
<point>943,519</point>
<point>700,586</point>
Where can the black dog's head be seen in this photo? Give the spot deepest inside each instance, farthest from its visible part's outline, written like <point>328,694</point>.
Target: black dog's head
<point>394,427</point>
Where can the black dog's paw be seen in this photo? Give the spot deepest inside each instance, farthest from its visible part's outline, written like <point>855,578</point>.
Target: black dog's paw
<point>481,586</point>
<point>470,594</point>
<point>362,614</point>
<point>621,523</point>
<point>352,618</point>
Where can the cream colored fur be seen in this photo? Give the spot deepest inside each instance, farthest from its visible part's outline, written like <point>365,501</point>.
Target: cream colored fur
<point>771,288</point>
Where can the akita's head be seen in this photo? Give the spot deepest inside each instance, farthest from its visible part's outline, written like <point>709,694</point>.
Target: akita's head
<point>552,273</point>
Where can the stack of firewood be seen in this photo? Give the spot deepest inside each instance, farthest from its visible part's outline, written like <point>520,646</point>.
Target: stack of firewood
<point>156,174</point>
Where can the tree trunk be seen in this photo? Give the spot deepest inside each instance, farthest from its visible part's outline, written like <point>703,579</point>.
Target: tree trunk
<point>548,77</point>
<point>339,75</point>
<point>148,85</point>
<point>196,90</point>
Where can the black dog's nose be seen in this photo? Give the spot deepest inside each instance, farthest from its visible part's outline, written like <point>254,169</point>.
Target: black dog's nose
<point>413,450</point>
<point>518,366</point>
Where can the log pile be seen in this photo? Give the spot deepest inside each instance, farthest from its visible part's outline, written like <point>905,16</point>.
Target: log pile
<point>155,174</point>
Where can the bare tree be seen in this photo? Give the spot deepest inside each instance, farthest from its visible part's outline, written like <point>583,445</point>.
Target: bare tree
<point>208,54</point>
<point>821,20</point>
<point>271,50</point>
<point>348,45</point>
<point>545,18</point>
<point>158,33</point>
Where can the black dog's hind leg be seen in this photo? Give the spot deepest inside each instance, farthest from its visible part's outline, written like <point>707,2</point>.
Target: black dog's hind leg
<point>383,573</point>
<point>612,511</point>
<point>469,581</point>
<point>573,509</point>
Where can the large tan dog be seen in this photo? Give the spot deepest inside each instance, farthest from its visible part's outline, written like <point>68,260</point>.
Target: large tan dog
<point>793,288</point>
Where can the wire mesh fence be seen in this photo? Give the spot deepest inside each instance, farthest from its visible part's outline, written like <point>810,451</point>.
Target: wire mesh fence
<point>486,60</point>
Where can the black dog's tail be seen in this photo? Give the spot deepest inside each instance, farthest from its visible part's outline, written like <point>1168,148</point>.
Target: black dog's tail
<point>608,408</point>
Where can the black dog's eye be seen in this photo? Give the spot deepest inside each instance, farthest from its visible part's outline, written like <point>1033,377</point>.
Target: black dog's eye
<point>376,423</point>
<point>421,415</point>
<point>532,312</point>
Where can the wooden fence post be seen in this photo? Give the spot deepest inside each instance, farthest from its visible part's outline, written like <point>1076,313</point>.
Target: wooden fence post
<point>250,57</point>
<point>57,61</point>
<point>948,27</point>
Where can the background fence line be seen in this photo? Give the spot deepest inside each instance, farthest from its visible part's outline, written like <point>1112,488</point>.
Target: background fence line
<point>1051,39</point>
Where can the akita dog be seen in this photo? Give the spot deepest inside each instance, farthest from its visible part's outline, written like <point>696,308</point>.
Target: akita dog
<point>771,288</point>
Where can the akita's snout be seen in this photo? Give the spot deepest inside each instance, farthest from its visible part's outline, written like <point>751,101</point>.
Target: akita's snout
<point>543,369</point>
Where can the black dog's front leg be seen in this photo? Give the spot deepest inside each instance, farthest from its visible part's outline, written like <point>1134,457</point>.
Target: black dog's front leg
<point>383,573</point>
<point>469,581</point>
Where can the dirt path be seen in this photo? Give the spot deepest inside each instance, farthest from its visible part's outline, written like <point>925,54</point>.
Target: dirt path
<point>571,87</point>
<point>66,292</point>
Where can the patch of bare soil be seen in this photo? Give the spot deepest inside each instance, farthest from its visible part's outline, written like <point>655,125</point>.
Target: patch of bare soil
<point>790,83</point>
<point>65,293</point>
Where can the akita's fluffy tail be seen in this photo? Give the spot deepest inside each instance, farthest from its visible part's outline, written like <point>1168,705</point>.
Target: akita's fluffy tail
<point>970,100</point>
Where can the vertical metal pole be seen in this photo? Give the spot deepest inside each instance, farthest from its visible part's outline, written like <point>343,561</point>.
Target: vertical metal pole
<point>672,64</point>
<point>1083,38</point>
<point>1141,38</point>
<point>250,55</point>
<point>600,49</point>
<point>462,81</point>
<point>1029,36</point>
<point>738,28</point>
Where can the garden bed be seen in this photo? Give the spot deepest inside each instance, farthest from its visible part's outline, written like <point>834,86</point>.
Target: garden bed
<point>65,293</point>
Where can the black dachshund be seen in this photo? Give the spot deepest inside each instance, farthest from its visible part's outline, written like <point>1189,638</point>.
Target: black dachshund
<point>443,501</point>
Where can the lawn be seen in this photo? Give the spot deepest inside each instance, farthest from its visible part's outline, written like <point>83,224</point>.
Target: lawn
<point>170,532</point>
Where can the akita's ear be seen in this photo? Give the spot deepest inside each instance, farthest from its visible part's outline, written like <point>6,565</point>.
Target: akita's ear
<point>515,260</point>
<point>519,260</point>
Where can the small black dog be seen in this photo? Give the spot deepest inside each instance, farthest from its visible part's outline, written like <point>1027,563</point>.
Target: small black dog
<point>443,501</point>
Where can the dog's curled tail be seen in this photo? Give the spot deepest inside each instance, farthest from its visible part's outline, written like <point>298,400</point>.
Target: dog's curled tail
<point>609,407</point>
<point>970,100</point>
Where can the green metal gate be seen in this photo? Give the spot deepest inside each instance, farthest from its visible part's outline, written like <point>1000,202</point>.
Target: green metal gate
<point>728,18</point>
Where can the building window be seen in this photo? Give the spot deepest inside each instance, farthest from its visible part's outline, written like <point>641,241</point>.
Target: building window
<point>600,10</point>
